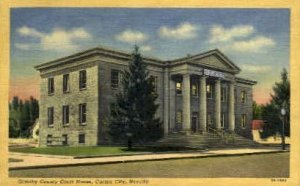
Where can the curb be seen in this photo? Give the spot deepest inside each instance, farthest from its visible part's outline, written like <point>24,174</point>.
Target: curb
<point>142,160</point>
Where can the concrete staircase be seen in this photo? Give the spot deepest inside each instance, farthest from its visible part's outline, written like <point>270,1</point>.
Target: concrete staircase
<point>206,140</point>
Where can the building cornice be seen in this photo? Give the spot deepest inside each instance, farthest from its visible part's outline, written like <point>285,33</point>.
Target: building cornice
<point>245,81</point>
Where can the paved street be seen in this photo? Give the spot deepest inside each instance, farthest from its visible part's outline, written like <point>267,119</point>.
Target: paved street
<point>256,165</point>
<point>26,160</point>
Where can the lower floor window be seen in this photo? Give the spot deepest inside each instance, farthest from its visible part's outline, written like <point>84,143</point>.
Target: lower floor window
<point>64,139</point>
<point>49,139</point>
<point>243,120</point>
<point>81,138</point>
<point>223,120</point>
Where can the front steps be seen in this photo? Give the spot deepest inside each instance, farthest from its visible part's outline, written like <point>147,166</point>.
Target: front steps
<point>204,141</point>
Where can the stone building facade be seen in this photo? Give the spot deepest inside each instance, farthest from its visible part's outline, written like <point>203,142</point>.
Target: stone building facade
<point>196,94</point>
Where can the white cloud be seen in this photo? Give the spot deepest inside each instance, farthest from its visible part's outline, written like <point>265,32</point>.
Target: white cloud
<point>58,39</point>
<point>253,45</point>
<point>185,30</point>
<point>22,46</point>
<point>131,36</point>
<point>220,34</point>
<point>27,31</point>
<point>256,68</point>
<point>62,39</point>
<point>146,48</point>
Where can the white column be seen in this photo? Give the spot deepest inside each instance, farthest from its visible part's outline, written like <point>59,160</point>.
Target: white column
<point>166,100</point>
<point>231,118</point>
<point>202,103</point>
<point>172,103</point>
<point>186,102</point>
<point>218,104</point>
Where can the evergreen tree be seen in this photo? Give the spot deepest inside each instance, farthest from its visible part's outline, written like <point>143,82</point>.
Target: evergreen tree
<point>271,112</point>
<point>135,108</point>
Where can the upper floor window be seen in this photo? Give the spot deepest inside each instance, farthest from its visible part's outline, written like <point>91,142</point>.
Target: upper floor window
<point>209,91</point>
<point>82,113</point>
<point>82,79</point>
<point>153,81</point>
<point>244,96</point>
<point>66,83</point>
<point>50,85</point>
<point>194,89</point>
<point>178,88</point>
<point>223,94</point>
<point>243,121</point>
<point>65,114</point>
<point>114,79</point>
<point>50,116</point>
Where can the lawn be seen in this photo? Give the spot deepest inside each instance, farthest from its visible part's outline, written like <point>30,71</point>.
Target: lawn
<point>89,151</point>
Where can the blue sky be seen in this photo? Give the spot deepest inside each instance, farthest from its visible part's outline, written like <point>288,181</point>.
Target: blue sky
<point>257,40</point>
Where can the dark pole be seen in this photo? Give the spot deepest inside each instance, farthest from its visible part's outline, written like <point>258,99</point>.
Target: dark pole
<point>283,136</point>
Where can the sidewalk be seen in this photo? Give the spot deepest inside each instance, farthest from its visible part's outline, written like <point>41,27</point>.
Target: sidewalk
<point>30,161</point>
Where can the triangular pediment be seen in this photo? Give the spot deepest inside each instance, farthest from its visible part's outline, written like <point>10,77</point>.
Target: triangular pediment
<point>213,59</point>
<point>216,59</point>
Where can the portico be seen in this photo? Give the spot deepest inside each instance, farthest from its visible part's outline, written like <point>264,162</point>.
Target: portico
<point>191,89</point>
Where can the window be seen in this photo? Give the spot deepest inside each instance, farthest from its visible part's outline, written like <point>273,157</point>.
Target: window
<point>210,121</point>
<point>82,79</point>
<point>82,113</point>
<point>243,120</point>
<point>66,86</point>
<point>178,88</point>
<point>64,139</point>
<point>81,138</point>
<point>49,139</point>
<point>222,120</point>
<point>114,79</point>
<point>153,80</point>
<point>209,91</point>
<point>50,116</point>
<point>243,96</point>
<point>223,94</point>
<point>194,89</point>
<point>65,114</point>
<point>179,117</point>
<point>50,85</point>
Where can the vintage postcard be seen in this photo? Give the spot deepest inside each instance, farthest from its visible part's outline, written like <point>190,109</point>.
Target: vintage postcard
<point>149,93</point>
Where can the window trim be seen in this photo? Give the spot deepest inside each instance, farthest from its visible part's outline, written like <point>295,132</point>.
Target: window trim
<point>48,141</point>
<point>223,94</point>
<point>66,121</point>
<point>66,82</point>
<point>244,96</point>
<point>82,76</point>
<point>113,78</point>
<point>196,85</point>
<point>80,142</point>
<point>81,114</point>
<point>154,81</point>
<point>178,89</point>
<point>210,86</point>
<point>65,140</point>
<point>51,86</point>
<point>243,121</point>
<point>50,110</point>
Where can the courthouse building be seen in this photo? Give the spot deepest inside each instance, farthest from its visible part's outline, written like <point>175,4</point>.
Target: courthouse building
<point>196,94</point>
